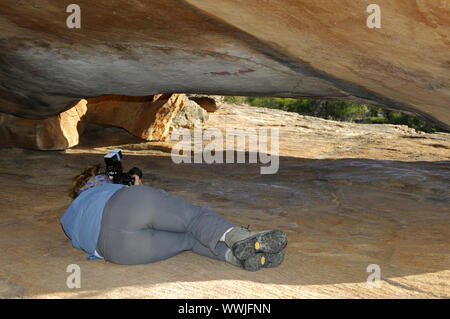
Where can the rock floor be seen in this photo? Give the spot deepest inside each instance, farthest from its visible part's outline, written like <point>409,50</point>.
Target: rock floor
<point>347,195</point>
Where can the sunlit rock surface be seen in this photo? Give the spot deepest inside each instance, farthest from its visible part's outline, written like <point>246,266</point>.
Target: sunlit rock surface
<point>318,49</point>
<point>149,118</point>
<point>189,116</point>
<point>56,132</point>
<point>146,117</point>
<point>347,195</point>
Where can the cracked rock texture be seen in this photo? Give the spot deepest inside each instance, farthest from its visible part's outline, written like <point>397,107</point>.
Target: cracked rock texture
<point>191,114</point>
<point>318,49</point>
<point>348,196</point>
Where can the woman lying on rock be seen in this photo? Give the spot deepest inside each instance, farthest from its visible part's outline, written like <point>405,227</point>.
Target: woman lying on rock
<point>139,224</point>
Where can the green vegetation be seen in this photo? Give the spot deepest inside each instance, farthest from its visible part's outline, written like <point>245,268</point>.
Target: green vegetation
<point>337,110</point>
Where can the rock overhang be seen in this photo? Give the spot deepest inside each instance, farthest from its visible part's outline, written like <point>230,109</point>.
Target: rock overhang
<point>303,49</point>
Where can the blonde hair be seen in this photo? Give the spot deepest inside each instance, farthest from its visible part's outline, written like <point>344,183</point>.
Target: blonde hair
<point>81,179</point>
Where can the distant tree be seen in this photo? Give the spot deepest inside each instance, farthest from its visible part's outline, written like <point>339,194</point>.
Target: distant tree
<point>337,110</point>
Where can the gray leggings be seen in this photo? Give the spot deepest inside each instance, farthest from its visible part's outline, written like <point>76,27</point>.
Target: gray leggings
<point>141,225</point>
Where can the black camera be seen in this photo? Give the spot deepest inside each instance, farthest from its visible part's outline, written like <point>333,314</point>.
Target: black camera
<point>114,168</point>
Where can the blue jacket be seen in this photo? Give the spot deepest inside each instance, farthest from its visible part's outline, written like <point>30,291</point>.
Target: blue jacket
<point>82,220</point>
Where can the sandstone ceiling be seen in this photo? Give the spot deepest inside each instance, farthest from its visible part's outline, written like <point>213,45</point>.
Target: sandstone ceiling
<point>317,49</point>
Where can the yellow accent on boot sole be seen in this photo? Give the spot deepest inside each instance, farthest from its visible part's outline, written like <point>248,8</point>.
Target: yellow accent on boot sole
<point>263,260</point>
<point>256,245</point>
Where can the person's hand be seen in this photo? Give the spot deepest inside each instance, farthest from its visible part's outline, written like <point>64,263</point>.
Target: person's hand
<point>137,180</point>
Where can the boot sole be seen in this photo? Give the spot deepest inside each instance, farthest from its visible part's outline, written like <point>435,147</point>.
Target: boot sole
<point>264,260</point>
<point>270,241</point>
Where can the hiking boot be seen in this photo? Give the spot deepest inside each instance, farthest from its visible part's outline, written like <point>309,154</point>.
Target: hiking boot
<point>230,258</point>
<point>245,243</point>
<point>263,260</point>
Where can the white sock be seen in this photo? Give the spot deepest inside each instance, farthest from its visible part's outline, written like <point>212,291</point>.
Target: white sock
<point>223,236</point>
<point>227,255</point>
